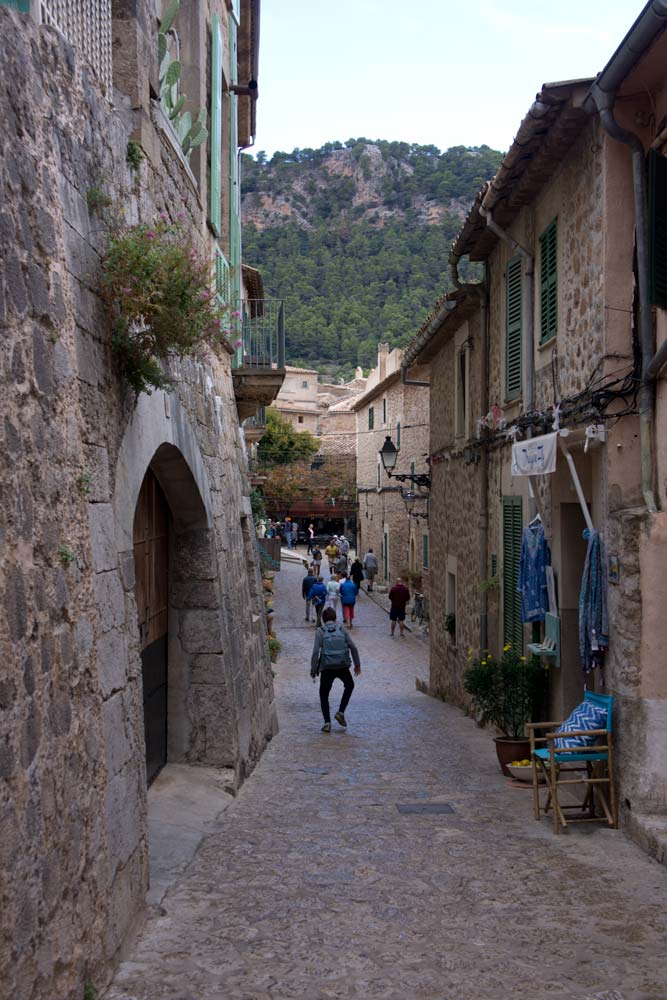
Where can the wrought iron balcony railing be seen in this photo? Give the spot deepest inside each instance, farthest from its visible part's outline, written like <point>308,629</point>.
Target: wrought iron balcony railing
<point>262,334</point>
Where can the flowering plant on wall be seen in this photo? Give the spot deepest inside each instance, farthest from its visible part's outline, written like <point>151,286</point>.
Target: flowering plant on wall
<point>158,289</point>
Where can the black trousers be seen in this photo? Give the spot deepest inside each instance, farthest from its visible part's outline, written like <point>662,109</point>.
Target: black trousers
<point>327,677</point>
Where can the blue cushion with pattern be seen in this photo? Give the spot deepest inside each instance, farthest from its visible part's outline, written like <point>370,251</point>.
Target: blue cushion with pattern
<point>584,716</point>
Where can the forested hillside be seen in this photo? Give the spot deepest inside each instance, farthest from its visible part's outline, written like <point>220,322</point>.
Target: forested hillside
<point>355,238</point>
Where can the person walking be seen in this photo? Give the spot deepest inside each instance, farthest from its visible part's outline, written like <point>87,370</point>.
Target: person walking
<point>370,568</point>
<point>317,560</point>
<point>357,572</point>
<point>348,596</point>
<point>344,545</point>
<point>331,660</point>
<point>399,595</point>
<point>331,552</point>
<point>318,595</point>
<point>333,589</point>
<point>311,538</point>
<point>295,534</point>
<point>306,586</point>
<point>340,564</point>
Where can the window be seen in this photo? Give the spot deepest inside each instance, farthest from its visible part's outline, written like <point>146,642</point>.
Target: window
<point>412,468</point>
<point>512,530</point>
<point>304,384</point>
<point>462,401</point>
<point>451,593</point>
<point>513,328</point>
<point>425,551</point>
<point>300,419</point>
<point>548,283</point>
<point>657,232</point>
<point>384,411</point>
<point>379,476</point>
<point>398,435</point>
<point>371,418</point>
<point>385,554</point>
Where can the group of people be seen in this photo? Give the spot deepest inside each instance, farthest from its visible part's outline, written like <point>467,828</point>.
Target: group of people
<point>333,650</point>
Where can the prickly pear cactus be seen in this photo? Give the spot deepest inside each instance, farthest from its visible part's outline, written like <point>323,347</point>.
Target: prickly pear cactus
<point>190,133</point>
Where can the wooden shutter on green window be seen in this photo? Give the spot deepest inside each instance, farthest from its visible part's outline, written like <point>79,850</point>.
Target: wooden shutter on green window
<point>425,551</point>
<point>512,531</point>
<point>513,328</point>
<point>234,180</point>
<point>549,282</point>
<point>216,123</point>
<point>657,228</point>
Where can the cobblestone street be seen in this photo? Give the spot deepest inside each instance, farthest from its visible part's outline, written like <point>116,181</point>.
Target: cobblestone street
<point>312,884</point>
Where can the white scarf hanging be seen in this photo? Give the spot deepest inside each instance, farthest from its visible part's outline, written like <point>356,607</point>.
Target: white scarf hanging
<point>535,457</point>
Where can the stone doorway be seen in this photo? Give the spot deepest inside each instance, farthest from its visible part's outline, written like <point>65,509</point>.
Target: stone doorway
<point>151,563</point>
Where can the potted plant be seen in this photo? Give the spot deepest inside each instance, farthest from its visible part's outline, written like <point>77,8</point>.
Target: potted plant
<point>508,692</point>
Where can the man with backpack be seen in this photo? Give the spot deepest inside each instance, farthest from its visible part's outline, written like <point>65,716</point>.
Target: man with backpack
<point>331,660</point>
<point>306,585</point>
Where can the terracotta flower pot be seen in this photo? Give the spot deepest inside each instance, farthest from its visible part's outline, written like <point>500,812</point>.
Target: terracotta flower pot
<point>509,748</point>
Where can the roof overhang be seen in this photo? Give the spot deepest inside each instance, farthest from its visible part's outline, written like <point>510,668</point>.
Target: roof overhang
<point>450,312</point>
<point>553,123</point>
<point>376,391</point>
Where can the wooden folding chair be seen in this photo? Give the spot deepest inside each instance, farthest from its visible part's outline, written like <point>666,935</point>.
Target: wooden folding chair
<point>593,764</point>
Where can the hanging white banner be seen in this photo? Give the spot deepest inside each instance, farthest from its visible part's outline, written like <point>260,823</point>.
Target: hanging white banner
<point>535,457</point>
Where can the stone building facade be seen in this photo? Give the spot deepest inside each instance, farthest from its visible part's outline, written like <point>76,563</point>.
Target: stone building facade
<point>298,400</point>
<point>124,519</point>
<point>562,204</point>
<point>388,407</point>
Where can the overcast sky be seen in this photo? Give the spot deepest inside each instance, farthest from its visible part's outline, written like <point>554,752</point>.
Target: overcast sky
<point>432,72</point>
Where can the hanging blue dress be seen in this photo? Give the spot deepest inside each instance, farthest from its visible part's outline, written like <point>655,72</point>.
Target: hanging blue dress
<point>534,559</point>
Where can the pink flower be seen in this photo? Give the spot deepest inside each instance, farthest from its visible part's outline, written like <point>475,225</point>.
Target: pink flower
<point>236,314</point>
<point>150,235</point>
<point>164,217</point>
<point>126,291</point>
<point>238,343</point>
<point>180,215</point>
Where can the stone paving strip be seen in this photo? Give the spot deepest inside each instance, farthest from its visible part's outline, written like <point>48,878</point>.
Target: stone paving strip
<point>313,883</point>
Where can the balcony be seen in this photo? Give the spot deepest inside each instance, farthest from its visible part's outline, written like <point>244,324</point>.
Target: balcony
<point>254,427</point>
<point>258,368</point>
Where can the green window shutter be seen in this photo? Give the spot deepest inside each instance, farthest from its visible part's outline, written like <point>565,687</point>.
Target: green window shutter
<point>398,434</point>
<point>236,10</point>
<point>222,278</point>
<point>234,193</point>
<point>425,551</point>
<point>549,282</point>
<point>371,418</point>
<point>513,328</point>
<point>216,123</point>
<point>657,231</point>
<point>412,468</point>
<point>384,411</point>
<point>385,546</point>
<point>378,474</point>
<point>512,531</point>
<point>21,5</point>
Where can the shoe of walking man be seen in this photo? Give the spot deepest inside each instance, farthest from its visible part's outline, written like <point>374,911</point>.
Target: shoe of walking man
<point>399,595</point>
<point>331,660</point>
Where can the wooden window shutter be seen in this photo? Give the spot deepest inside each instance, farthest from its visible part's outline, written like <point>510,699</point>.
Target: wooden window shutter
<point>512,531</point>
<point>657,228</point>
<point>513,328</point>
<point>549,282</point>
<point>371,418</point>
<point>398,434</point>
<point>222,280</point>
<point>216,124</point>
<point>425,551</point>
<point>234,180</point>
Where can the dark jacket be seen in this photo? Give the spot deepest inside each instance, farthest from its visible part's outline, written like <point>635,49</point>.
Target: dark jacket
<point>318,594</point>
<point>348,592</point>
<point>306,585</point>
<point>357,572</point>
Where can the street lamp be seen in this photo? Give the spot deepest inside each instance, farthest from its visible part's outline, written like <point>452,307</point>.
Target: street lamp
<point>410,499</point>
<point>388,456</point>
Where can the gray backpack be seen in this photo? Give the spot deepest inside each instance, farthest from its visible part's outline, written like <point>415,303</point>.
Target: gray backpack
<point>335,652</point>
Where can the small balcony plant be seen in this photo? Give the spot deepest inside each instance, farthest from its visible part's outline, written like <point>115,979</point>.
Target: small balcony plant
<point>158,290</point>
<point>508,692</point>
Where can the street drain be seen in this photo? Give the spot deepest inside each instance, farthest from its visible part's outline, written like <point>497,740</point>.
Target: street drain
<point>315,770</point>
<point>434,808</point>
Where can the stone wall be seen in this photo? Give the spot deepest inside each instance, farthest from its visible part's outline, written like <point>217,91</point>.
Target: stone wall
<point>73,797</point>
<point>382,508</point>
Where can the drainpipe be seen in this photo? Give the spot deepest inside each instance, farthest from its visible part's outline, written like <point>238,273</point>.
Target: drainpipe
<point>604,102</point>
<point>480,289</point>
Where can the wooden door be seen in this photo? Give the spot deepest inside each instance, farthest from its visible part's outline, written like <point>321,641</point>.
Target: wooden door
<point>151,563</point>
